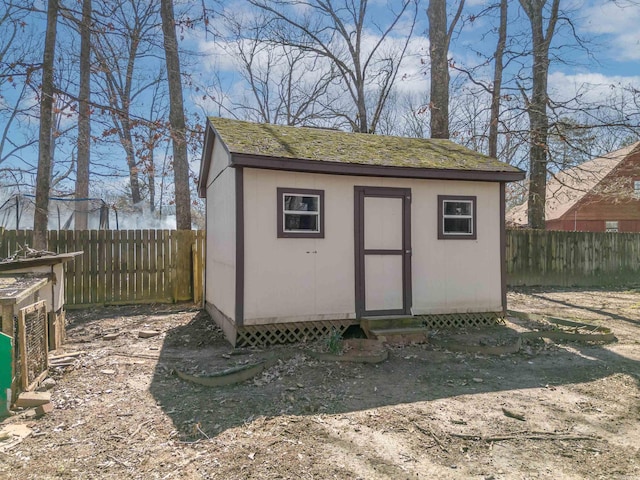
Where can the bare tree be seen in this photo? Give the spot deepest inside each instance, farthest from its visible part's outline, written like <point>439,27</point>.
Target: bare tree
<point>439,40</point>
<point>128,28</point>
<point>84,119</point>
<point>176,118</point>
<point>537,102</point>
<point>43,181</point>
<point>496,91</point>
<point>367,70</point>
<point>286,85</point>
<point>18,81</point>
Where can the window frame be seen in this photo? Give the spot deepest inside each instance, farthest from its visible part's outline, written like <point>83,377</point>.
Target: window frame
<point>636,187</point>
<point>442,235</point>
<point>609,226</point>
<point>302,192</point>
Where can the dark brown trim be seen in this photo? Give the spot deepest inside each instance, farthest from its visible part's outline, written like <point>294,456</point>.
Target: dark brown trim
<point>205,161</point>
<point>408,252</point>
<point>474,221</point>
<point>360,192</point>
<point>503,249</point>
<point>281,191</point>
<point>358,227</point>
<point>383,252</point>
<point>360,169</point>
<point>239,320</point>
<point>384,313</point>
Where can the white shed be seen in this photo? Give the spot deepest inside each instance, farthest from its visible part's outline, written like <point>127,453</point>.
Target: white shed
<point>311,229</point>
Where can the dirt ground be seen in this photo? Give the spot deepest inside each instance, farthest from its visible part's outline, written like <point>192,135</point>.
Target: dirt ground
<point>121,412</point>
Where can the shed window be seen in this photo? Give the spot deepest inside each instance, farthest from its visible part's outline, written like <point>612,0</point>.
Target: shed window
<point>456,217</point>
<point>611,226</point>
<point>300,213</point>
<point>636,188</point>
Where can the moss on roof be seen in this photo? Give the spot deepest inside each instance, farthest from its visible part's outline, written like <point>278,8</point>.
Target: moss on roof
<point>357,148</point>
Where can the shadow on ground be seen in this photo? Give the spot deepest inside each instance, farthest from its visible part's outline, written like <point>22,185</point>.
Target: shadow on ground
<point>300,385</point>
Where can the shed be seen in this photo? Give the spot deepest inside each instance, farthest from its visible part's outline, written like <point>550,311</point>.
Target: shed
<point>312,229</point>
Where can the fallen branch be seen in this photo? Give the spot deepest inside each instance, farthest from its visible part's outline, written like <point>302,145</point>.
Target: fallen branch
<point>528,436</point>
<point>66,355</point>
<point>430,432</point>
<point>137,430</point>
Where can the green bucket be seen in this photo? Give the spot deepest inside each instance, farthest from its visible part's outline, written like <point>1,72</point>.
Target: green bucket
<point>6,369</point>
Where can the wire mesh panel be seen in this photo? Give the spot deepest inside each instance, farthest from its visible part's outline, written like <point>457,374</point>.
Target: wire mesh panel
<point>33,343</point>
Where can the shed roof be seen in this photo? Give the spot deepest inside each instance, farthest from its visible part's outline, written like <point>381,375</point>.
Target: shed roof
<point>568,187</point>
<point>263,145</point>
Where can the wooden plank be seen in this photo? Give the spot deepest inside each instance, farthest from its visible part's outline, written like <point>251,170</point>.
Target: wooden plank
<point>108,266</point>
<point>183,265</point>
<point>153,268</point>
<point>116,293</point>
<point>198,287</point>
<point>167,293</point>
<point>139,270</point>
<point>131,265</point>
<point>86,266</point>
<point>94,274</point>
<point>79,261</point>
<point>146,274</point>
<point>101,284</point>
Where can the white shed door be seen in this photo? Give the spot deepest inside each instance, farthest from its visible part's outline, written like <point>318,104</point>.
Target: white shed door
<point>383,263</point>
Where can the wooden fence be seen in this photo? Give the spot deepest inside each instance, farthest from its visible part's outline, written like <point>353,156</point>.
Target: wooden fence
<point>124,266</point>
<point>538,257</point>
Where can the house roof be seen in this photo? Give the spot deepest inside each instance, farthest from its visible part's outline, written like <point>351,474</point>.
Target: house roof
<point>566,188</point>
<point>262,145</point>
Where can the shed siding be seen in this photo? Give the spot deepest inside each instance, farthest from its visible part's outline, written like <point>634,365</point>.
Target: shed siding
<point>220,271</point>
<point>219,160</point>
<point>455,276</point>
<point>315,277</point>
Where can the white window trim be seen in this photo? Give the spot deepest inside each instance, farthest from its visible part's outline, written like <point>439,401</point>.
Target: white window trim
<point>283,232</point>
<point>472,201</point>
<point>309,213</point>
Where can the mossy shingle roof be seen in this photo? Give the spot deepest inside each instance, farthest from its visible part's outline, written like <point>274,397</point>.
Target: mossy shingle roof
<point>350,148</point>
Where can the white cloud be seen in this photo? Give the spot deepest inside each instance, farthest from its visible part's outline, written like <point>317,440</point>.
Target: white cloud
<point>619,21</point>
<point>593,87</point>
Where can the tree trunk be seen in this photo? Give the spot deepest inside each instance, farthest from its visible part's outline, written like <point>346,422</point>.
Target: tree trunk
<point>537,107</point>
<point>84,120</point>
<point>126,140</point>
<point>439,39</point>
<point>438,47</point>
<point>45,153</point>
<point>497,81</point>
<point>176,118</point>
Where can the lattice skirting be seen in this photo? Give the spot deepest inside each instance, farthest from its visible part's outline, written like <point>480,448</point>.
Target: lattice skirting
<point>262,335</point>
<point>461,320</point>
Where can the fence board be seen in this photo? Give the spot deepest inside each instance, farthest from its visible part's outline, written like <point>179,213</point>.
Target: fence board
<point>108,267</point>
<point>116,295</point>
<point>553,258</point>
<point>123,266</point>
<point>153,272</point>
